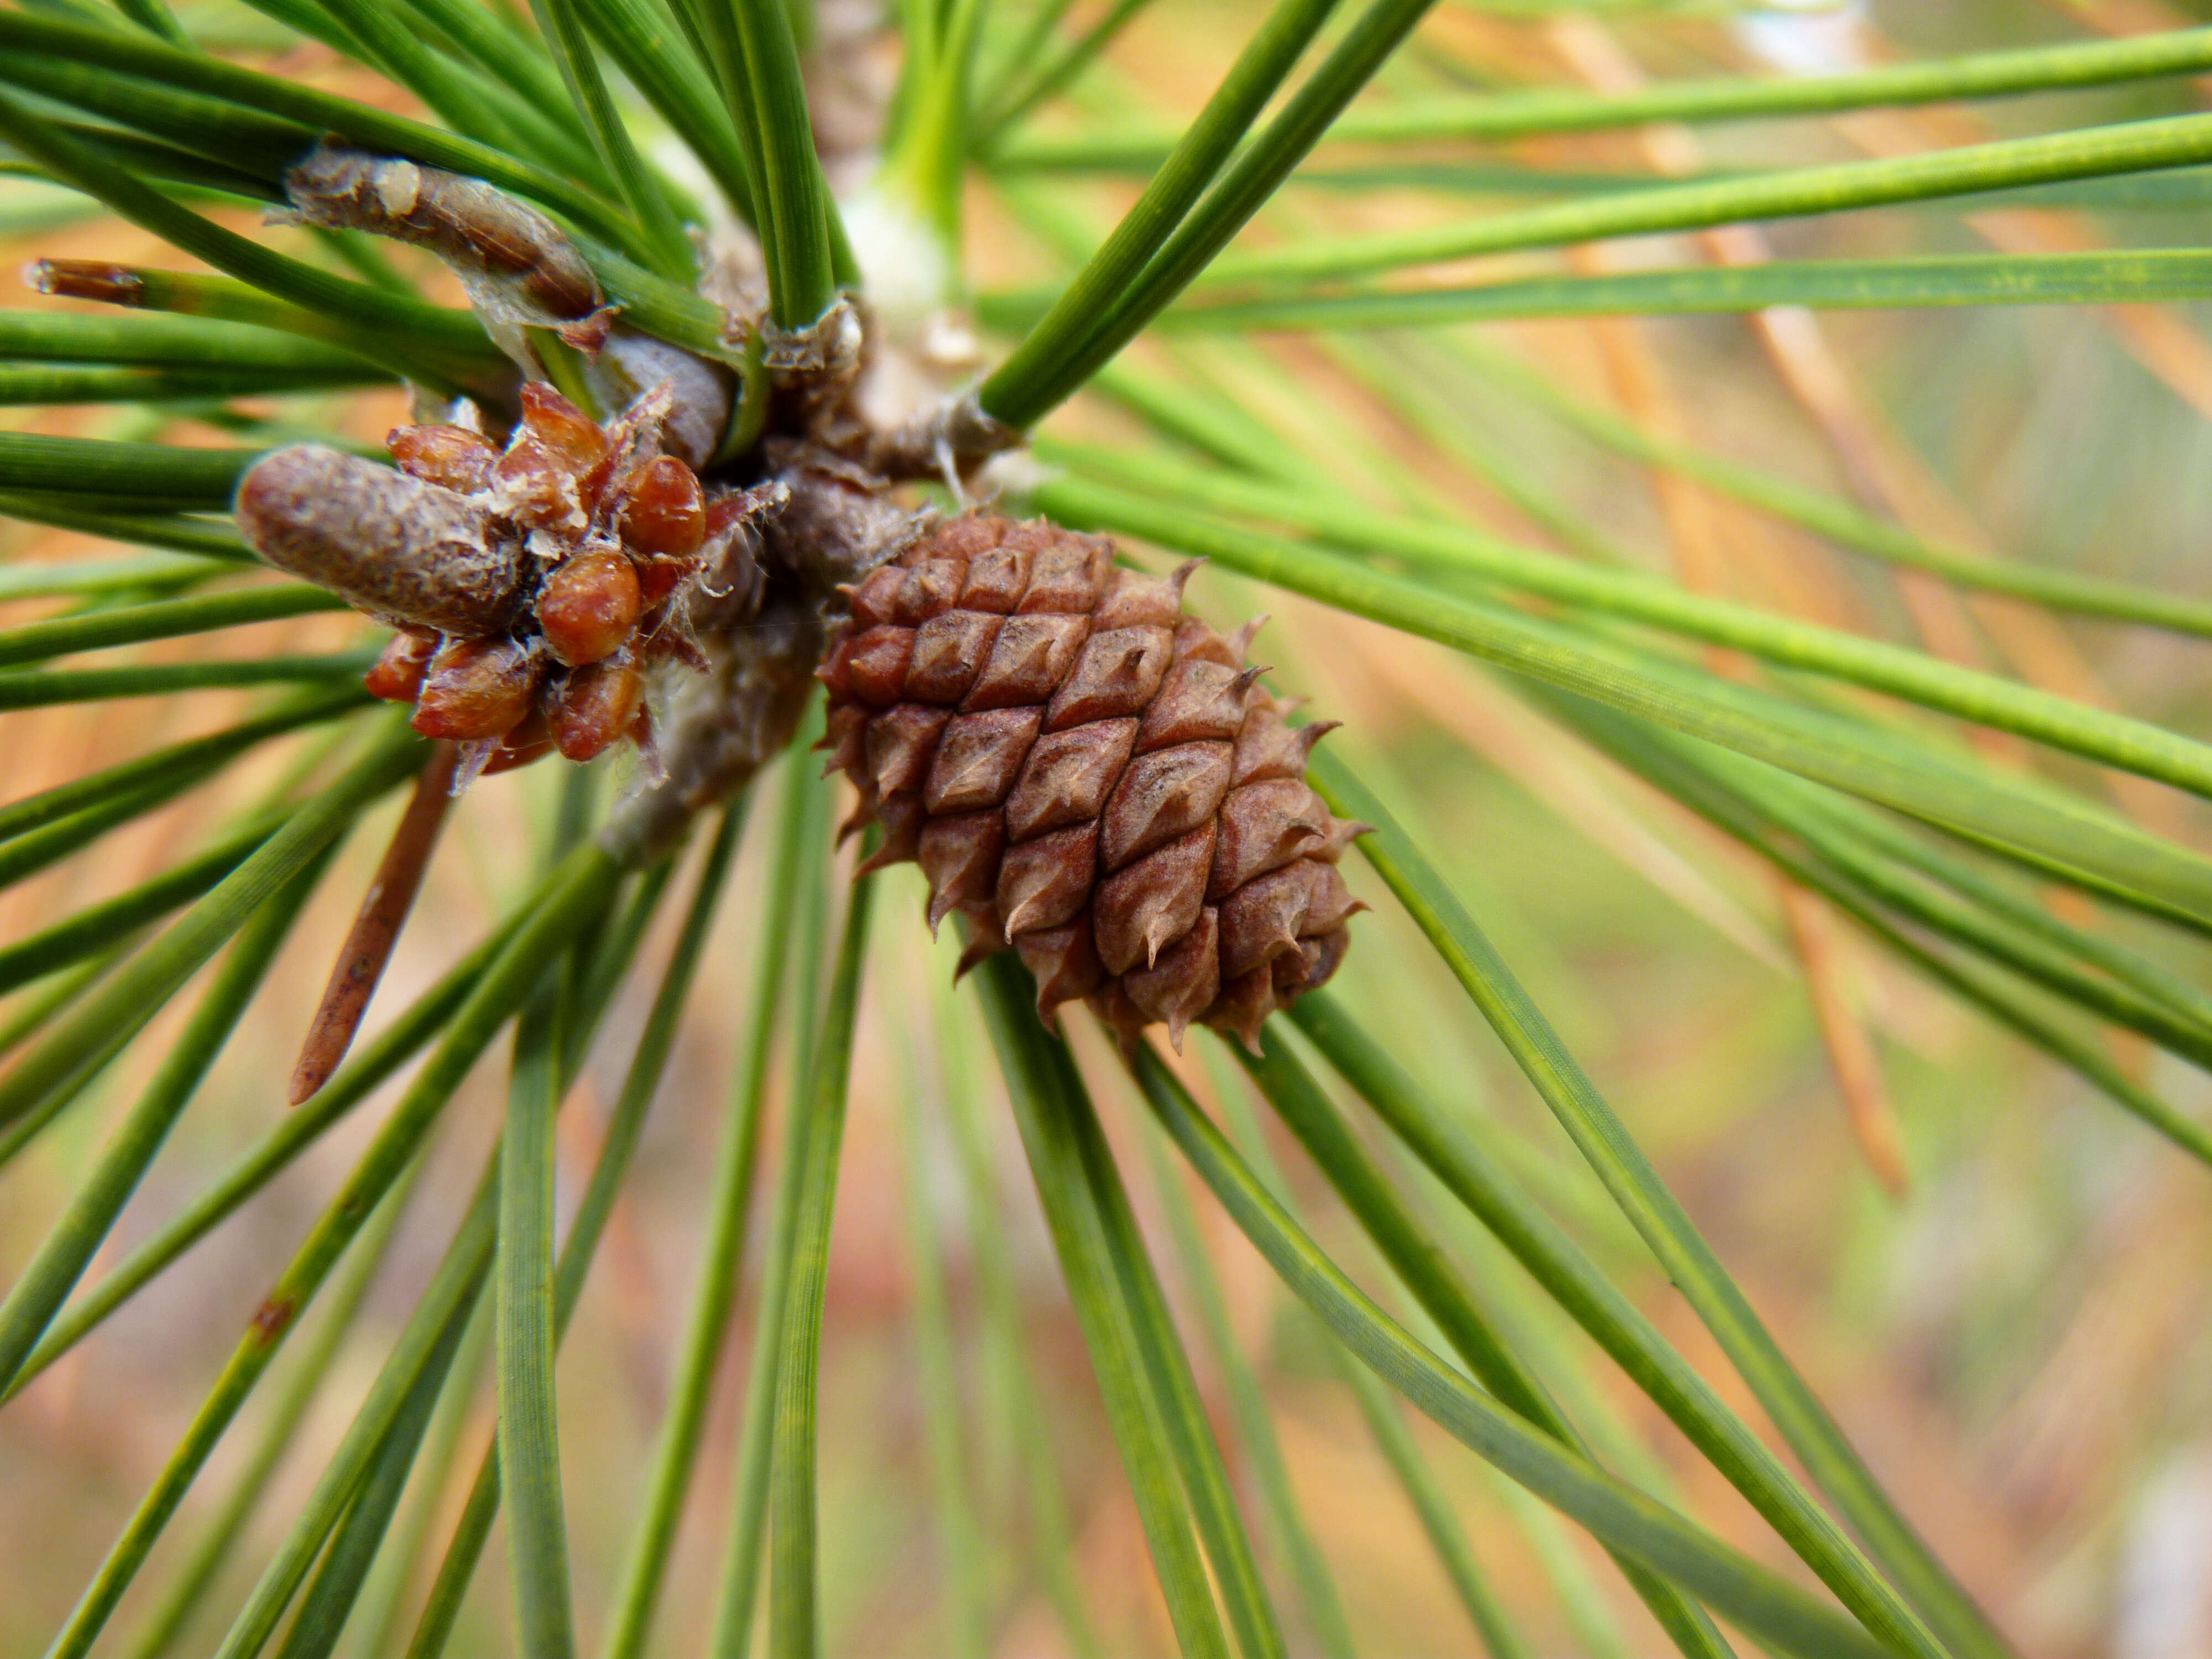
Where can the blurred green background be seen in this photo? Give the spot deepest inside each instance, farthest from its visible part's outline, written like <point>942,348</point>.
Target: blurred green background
<point>2017,1337</point>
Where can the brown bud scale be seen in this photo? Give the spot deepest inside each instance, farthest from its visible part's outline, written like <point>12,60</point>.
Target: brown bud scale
<point>1089,776</point>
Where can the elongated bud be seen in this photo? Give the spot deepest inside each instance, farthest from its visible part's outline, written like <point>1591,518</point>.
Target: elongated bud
<point>87,279</point>
<point>486,235</point>
<point>397,547</point>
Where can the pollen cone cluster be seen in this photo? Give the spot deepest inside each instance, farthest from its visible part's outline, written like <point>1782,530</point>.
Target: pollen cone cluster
<point>533,586</point>
<point>1088,775</point>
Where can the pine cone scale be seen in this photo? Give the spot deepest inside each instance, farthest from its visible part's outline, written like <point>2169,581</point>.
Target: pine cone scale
<point>1067,776</point>
<point>979,758</point>
<point>1119,673</point>
<point>1028,659</point>
<point>1045,883</point>
<point>1088,775</point>
<point>948,652</point>
<point>1162,795</point>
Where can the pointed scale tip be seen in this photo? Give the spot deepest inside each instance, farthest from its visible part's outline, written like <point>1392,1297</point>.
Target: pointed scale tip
<point>863,815</point>
<point>882,858</point>
<point>941,906</point>
<point>1019,918</point>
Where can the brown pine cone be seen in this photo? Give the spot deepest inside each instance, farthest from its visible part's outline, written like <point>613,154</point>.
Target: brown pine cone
<point>1087,774</point>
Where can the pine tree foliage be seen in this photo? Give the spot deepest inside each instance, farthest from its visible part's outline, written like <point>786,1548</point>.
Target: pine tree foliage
<point>454,435</point>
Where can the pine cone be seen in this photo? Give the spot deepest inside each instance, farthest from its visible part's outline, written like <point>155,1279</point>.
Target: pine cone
<point>1090,775</point>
